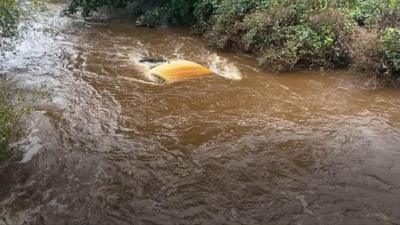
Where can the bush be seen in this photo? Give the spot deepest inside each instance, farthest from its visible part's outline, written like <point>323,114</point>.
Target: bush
<point>368,53</point>
<point>285,34</point>
<point>367,12</point>
<point>10,127</point>
<point>391,46</point>
<point>203,11</point>
<point>378,53</point>
<point>10,14</point>
<point>154,17</point>
<point>173,12</point>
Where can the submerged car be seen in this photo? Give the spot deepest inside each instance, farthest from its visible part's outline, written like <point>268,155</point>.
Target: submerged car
<point>178,70</point>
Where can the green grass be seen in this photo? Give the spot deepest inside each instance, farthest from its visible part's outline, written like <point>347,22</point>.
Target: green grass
<point>10,117</point>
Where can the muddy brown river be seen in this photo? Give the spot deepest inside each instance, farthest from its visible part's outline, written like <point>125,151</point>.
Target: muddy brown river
<point>242,147</point>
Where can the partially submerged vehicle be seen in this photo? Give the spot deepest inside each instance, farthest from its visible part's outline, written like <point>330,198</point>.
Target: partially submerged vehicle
<point>178,70</point>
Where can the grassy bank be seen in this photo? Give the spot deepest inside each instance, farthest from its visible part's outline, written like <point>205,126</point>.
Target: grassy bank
<point>284,34</point>
<point>10,128</point>
<point>10,16</point>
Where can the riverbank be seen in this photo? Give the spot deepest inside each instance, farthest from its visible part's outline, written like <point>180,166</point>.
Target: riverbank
<point>300,148</point>
<point>11,15</point>
<point>10,119</point>
<point>360,35</point>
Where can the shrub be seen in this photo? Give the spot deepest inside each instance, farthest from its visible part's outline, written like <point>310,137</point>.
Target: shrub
<point>9,120</point>
<point>203,11</point>
<point>226,23</point>
<point>154,17</point>
<point>368,53</point>
<point>367,12</point>
<point>391,46</point>
<point>378,53</point>
<point>285,34</point>
<point>10,14</point>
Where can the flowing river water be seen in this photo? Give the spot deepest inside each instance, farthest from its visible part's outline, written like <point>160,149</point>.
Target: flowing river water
<point>240,147</point>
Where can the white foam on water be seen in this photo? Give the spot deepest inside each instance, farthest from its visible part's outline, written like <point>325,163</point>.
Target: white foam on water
<point>60,101</point>
<point>31,149</point>
<point>31,144</point>
<point>224,68</point>
<point>178,50</point>
<point>153,80</point>
<point>144,69</point>
<point>141,67</point>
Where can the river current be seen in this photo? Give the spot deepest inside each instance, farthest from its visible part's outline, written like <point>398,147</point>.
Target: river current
<point>242,146</point>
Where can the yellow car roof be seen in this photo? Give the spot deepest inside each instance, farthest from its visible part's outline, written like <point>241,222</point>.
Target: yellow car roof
<point>179,70</point>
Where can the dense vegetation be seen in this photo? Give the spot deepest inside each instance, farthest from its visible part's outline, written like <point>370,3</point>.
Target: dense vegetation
<point>284,34</point>
<point>10,14</point>
<point>10,127</point>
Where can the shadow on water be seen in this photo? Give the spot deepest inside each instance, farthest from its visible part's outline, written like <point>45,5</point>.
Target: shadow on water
<point>241,147</point>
